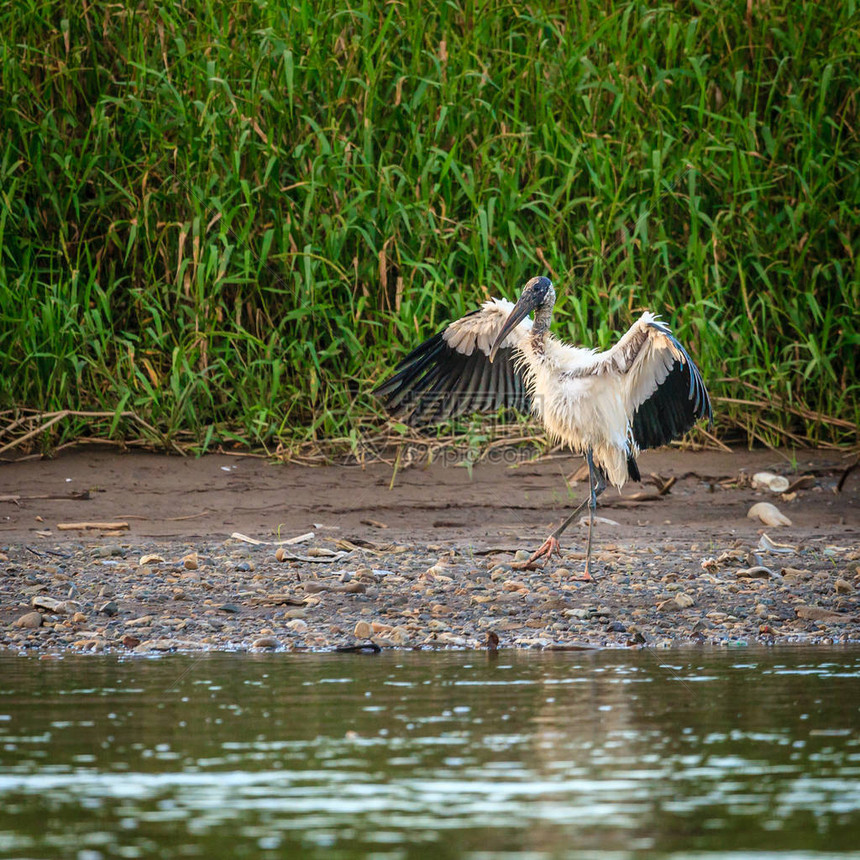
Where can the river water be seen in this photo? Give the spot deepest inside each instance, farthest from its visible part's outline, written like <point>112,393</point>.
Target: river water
<point>724,753</point>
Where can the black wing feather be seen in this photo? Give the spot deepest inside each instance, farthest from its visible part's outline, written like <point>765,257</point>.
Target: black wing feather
<point>679,401</point>
<point>436,382</point>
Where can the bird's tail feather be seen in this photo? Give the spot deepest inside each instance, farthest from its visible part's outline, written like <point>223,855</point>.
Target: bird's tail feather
<point>633,469</point>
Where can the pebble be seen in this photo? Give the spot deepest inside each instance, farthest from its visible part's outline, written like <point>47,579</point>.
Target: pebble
<point>349,588</point>
<point>49,604</point>
<point>30,620</point>
<point>400,636</point>
<point>758,571</point>
<point>93,644</point>
<point>363,630</point>
<point>514,585</point>
<point>679,601</point>
<point>108,608</point>
<point>157,645</point>
<point>819,613</point>
<point>576,613</point>
<point>267,643</point>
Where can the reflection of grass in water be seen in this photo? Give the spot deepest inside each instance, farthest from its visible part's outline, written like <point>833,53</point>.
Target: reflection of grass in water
<point>228,220</point>
<point>527,752</point>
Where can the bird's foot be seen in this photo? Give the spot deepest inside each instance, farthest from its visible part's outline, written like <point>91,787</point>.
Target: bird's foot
<point>586,576</point>
<point>547,550</point>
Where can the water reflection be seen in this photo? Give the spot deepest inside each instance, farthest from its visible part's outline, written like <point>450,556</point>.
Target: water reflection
<point>438,755</point>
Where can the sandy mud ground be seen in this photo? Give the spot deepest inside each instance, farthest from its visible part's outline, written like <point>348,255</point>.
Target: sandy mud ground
<point>425,564</point>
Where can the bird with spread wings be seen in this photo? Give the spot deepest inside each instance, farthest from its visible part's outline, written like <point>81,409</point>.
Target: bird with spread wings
<point>642,393</point>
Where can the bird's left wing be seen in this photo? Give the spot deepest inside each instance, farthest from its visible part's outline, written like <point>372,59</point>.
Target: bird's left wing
<point>663,388</point>
<point>451,374</point>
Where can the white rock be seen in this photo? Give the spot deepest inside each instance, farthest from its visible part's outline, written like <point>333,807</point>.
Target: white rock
<point>769,481</point>
<point>598,521</point>
<point>767,544</point>
<point>769,514</point>
<point>49,604</point>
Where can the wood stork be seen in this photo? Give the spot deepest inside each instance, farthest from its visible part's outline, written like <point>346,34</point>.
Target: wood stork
<point>643,392</point>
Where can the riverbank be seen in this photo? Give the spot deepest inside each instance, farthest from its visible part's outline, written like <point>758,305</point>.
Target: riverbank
<point>424,564</point>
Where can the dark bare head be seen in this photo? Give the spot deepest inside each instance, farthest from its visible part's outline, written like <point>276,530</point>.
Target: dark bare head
<point>538,296</point>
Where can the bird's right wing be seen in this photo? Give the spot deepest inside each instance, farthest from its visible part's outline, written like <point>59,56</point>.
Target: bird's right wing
<point>451,374</point>
<point>663,388</point>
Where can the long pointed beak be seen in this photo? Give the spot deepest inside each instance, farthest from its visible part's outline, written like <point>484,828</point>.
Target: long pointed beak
<point>521,310</point>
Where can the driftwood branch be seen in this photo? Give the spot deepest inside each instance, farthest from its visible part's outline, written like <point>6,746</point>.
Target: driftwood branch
<point>67,527</point>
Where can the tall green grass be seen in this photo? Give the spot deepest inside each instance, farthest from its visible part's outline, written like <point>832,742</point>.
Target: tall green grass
<point>232,218</point>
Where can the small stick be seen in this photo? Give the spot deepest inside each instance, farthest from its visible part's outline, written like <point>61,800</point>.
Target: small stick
<point>64,527</point>
<point>285,542</point>
<point>81,496</point>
